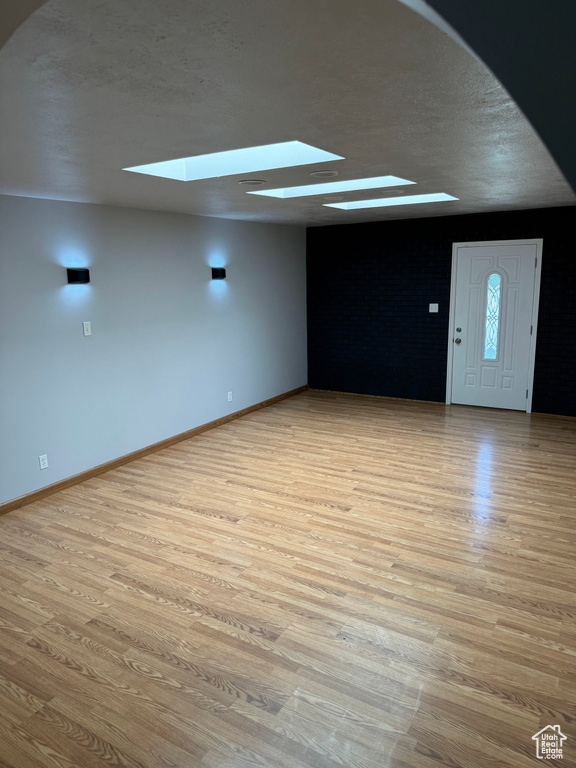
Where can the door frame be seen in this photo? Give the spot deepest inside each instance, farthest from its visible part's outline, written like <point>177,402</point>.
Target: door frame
<point>538,242</point>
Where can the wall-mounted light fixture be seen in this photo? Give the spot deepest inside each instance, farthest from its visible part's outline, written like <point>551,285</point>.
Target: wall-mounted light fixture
<point>218,273</point>
<point>76,276</point>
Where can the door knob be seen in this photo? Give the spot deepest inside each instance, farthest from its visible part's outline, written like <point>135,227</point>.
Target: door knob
<point>457,341</point>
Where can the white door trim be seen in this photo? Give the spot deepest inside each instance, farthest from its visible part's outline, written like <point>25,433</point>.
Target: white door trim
<point>535,303</point>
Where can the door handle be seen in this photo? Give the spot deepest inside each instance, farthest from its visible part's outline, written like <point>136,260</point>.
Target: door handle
<point>457,341</point>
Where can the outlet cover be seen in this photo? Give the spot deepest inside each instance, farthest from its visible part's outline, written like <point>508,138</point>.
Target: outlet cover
<point>43,460</point>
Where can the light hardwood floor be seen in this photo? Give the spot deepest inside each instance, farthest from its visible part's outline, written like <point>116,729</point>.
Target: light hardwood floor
<point>332,581</point>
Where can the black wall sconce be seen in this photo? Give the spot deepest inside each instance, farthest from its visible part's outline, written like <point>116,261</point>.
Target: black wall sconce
<point>218,273</point>
<point>76,276</point>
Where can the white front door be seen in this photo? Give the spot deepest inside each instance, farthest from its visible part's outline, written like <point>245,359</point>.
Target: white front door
<point>492,323</point>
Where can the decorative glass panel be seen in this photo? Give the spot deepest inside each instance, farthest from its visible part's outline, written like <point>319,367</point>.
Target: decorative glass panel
<point>492,317</point>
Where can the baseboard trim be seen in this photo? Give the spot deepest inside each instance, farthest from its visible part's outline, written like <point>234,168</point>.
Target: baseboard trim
<point>377,397</point>
<point>48,490</point>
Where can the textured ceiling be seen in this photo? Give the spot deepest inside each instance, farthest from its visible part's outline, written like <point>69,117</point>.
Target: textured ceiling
<point>88,87</point>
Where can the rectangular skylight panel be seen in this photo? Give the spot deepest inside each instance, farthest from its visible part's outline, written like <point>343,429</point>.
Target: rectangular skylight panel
<point>328,188</point>
<point>169,169</point>
<point>382,202</point>
<point>235,161</point>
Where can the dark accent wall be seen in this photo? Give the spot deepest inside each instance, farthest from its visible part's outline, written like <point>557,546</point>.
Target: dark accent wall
<point>369,286</point>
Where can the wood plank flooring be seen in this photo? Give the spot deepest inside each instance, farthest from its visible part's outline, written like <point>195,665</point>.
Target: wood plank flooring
<point>332,581</point>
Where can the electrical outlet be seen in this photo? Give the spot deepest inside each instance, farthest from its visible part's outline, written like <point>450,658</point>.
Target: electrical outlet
<point>229,397</point>
<point>87,328</point>
<point>43,461</point>
<point>432,307</point>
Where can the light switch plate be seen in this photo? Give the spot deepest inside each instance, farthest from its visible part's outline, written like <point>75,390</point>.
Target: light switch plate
<point>87,328</point>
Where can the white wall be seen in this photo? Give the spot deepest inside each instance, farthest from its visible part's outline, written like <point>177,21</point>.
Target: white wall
<point>168,343</point>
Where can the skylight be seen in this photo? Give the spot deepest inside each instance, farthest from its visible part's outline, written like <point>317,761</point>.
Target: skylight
<point>231,162</point>
<point>375,182</point>
<point>381,202</point>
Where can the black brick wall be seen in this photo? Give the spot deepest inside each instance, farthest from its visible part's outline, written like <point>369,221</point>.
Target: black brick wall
<point>369,286</point>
